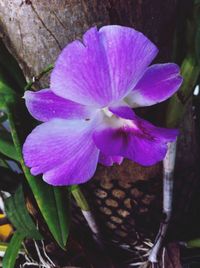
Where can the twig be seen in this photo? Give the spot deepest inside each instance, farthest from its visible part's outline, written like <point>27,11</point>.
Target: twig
<point>85,209</point>
<point>168,173</point>
<point>37,78</point>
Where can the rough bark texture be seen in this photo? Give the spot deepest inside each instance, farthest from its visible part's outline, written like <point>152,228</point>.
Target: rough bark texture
<point>36,30</point>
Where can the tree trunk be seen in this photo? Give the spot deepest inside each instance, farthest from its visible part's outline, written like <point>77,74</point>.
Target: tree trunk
<point>35,31</point>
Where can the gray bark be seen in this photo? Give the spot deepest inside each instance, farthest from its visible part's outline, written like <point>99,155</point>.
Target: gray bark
<point>36,30</point>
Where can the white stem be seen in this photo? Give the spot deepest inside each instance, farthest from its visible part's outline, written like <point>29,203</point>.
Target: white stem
<point>168,174</point>
<point>91,221</point>
<point>85,208</point>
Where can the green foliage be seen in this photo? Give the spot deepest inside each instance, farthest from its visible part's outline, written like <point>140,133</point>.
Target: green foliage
<point>12,250</point>
<point>187,37</point>
<point>53,202</point>
<point>176,107</point>
<point>6,145</point>
<point>18,215</point>
<point>7,95</point>
<point>195,243</point>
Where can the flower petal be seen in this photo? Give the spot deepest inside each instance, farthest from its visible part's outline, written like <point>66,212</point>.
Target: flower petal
<point>158,83</point>
<point>108,160</point>
<point>104,68</point>
<point>129,53</point>
<point>45,105</point>
<point>54,143</point>
<point>77,169</point>
<point>136,139</point>
<point>81,72</point>
<point>123,111</point>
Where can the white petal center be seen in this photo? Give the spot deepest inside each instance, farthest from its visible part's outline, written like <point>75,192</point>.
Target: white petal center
<point>115,121</point>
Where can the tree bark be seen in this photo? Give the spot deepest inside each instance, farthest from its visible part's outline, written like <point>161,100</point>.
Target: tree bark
<point>36,30</point>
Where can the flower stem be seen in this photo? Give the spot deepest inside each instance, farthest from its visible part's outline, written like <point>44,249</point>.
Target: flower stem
<point>17,143</point>
<point>85,208</point>
<point>37,78</point>
<point>168,174</point>
<point>79,197</point>
<point>190,71</point>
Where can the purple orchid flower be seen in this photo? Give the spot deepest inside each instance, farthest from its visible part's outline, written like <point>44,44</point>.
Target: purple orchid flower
<point>87,112</point>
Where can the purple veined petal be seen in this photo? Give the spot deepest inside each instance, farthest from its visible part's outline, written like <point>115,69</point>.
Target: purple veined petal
<point>58,141</point>
<point>81,72</point>
<point>167,134</point>
<point>104,68</point>
<point>137,140</point>
<point>44,105</point>
<point>77,169</point>
<point>159,82</point>
<point>108,160</point>
<point>129,53</point>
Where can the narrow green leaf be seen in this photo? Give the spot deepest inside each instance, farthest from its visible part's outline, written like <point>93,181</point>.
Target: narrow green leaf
<point>55,212</point>
<point>3,162</point>
<point>62,197</point>
<point>17,213</point>
<point>195,243</point>
<point>7,95</point>
<point>6,145</point>
<point>54,207</point>
<point>177,104</point>
<point>12,250</point>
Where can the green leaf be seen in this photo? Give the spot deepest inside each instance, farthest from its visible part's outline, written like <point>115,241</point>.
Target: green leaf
<point>3,162</point>
<point>12,250</point>
<point>54,206</point>
<point>7,95</point>
<point>53,202</point>
<point>177,104</point>
<point>17,213</point>
<point>7,147</point>
<point>62,205</point>
<point>194,243</point>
